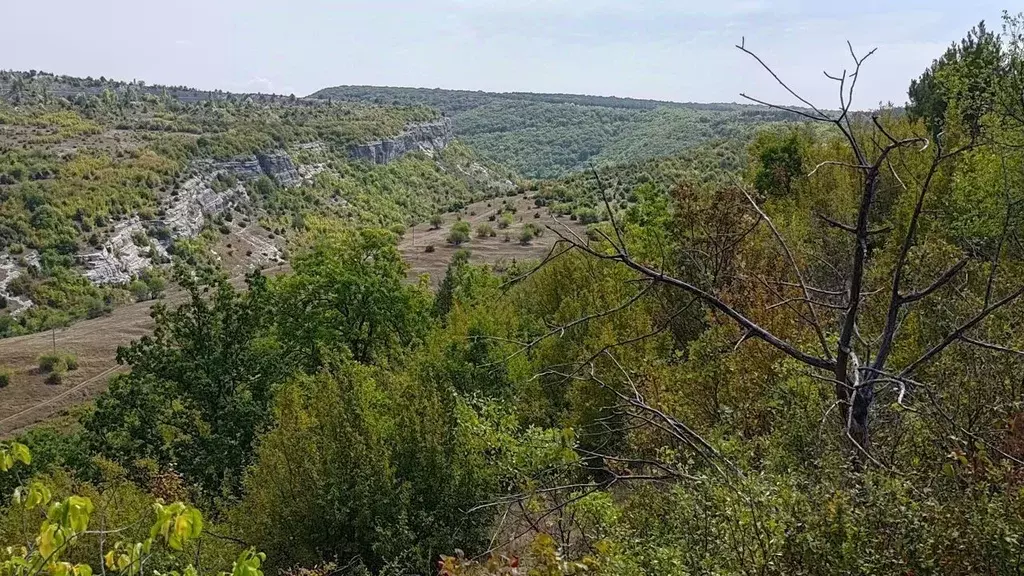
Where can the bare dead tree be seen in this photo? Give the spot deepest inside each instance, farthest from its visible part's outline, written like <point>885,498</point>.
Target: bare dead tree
<point>857,366</point>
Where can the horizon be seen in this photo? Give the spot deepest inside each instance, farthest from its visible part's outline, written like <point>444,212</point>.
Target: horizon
<point>646,50</point>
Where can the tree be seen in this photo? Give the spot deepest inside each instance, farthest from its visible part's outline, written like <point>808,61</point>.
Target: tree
<point>199,389</point>
<point>459,233</point>
<point>436,221</point>
<point>967,74</point>
<point>68,528</point>
<point>837,326</point>
<point>779,163</point>
<point>348,297</point>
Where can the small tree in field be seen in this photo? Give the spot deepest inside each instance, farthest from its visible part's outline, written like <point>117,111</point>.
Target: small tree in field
<point>459,233</point>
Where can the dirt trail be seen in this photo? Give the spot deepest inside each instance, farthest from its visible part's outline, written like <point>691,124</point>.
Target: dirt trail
<point>29,400</point>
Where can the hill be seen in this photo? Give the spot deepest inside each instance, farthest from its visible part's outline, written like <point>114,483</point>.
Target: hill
<point>104,183</point>
<point>552,135</point>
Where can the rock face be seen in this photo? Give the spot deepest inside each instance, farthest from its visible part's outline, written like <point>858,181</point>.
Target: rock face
<point>8,272</point>
<point>187,212</point>
<point>121,258</point>
<point>429,136</point>
<point>279,166</point>
<point>245,168</point>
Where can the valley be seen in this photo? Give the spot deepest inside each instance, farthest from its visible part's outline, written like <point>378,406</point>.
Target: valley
<point>29,400</point>
<point>378,331</point>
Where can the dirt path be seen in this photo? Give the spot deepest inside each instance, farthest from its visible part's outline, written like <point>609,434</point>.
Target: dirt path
<point>29,400</point>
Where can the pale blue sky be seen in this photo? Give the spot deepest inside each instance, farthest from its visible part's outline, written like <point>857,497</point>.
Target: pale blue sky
<point>681,50</point>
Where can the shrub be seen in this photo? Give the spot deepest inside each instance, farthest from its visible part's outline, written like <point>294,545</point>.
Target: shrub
<point>526,236</point>
<point>587,216</point>
<point>435,221</point>
<point>398,230</point>
<point>58,363</point>
<point>429,249</point>
<point>505,222</point>
<point>55,378</point>
<point>459,233</point>
<point>6,376</point>
<point>485,231</point>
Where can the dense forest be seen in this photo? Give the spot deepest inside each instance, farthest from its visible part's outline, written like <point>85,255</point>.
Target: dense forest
<point>553,135</point>
<point>796,354</point>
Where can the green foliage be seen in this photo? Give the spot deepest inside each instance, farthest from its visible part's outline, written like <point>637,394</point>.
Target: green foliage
<point>348,298</point>
<point>485,231</point>
<point>58,363</point>
<point>199,389</point>
<point>459,233</point>
<point>779,163</point>
<point>6,377</point>
<point>966,76</point>
<point>69,542</point>
<point>552,135</point>
<point>409,468</point>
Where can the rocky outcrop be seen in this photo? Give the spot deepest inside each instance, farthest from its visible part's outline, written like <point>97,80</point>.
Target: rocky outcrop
<point>195,200</point>
<point>8,272</point>
<point>245,168</point>
<point>429,136</point>
<point>122,257</point>
<point>279,166</point>
<point>480,177</point>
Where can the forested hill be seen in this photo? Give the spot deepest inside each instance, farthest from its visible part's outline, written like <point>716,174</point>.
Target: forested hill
<point>551,135</point>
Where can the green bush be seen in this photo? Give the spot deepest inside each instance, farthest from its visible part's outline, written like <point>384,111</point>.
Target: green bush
<point>58,363</point>
<point>485,231</point>
<point>505,221</point>
<point>526,236</point>
<point>459,234</point>
<point>436,221</point>
<point>55,378</point>
<point>6,376</point>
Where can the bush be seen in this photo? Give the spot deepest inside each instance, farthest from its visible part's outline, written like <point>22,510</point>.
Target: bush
<point>435,221</point>
<point>55,378</point>
<point>526,236</point>
<point>485,231</point>
<point>429,249</point>
<point>6,376</point>
<point>398,230</point>
<point>58,363</point>
<point>505,222</point>
<point>587,216</point>
<point>459,233</point>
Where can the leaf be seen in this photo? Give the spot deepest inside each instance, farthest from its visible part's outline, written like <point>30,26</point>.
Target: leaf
<point>21,453</point>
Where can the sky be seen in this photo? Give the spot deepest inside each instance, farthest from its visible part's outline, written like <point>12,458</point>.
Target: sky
<point>680,50</point>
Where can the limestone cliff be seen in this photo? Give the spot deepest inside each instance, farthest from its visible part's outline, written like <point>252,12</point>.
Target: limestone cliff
<point>279,166</point>
<point>429,136</point>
